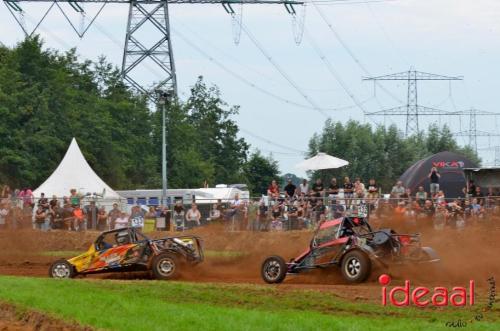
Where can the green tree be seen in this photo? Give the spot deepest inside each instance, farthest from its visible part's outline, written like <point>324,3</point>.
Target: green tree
<point>259,171</point>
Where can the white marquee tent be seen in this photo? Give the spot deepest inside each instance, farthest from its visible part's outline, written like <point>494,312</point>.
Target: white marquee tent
<point>75,172</point>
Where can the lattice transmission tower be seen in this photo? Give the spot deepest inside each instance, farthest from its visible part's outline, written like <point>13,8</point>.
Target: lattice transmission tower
<point>472,133</point>
<point>142,13</point>
<point>412,110</point>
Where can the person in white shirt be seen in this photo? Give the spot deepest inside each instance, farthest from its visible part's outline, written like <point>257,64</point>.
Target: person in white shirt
<point>122,221</point>
<point>304,187</point>
<point>193,216</point>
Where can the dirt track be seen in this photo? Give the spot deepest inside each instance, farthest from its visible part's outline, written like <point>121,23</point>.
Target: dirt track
<point>469,254</point>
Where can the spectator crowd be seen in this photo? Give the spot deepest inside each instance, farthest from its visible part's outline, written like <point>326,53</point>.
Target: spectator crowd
<point>291,208</point>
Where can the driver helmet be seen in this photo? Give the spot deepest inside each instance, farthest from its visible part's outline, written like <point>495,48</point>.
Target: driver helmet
<point>122,238</point>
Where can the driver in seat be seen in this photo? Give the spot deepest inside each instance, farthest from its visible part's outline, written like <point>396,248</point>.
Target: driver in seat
<point>122,238</point>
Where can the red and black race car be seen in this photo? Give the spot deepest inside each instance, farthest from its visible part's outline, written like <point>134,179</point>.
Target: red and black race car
<point>129,250</point>
<point>351,244</point>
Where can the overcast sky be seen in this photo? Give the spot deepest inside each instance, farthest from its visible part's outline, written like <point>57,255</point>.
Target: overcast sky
<point>448,37</point>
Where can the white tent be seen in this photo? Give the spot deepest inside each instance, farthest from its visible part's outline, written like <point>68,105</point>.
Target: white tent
<point>74,172</point>
<point>321,161</point>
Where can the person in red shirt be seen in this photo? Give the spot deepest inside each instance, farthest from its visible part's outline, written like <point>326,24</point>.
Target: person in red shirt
<point>78,219</point>
<point>273,190</point>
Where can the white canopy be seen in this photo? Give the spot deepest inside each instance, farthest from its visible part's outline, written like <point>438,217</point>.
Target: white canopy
<point>321,161</point>
<point>74,172</point>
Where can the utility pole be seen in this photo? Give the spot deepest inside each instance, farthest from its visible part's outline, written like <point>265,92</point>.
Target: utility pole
<point>163,97</point>
<point>412,110</point>
<point>148,20</point>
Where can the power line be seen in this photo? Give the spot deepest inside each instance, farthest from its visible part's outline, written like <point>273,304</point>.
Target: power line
<point>349,51</point>
<point>270,142</point>
<point>200,37</point>
<point>332,71</point>
<point>282,72</point>
<point>248,82</point>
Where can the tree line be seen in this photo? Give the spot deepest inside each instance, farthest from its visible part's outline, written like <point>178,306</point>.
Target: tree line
<point>383,153</point>
<point>47,97</point>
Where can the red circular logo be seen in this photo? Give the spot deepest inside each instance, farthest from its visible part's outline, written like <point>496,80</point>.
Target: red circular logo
<point>384,279</point>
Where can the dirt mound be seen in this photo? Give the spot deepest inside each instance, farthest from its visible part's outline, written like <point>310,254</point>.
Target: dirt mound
<point>12,319</point>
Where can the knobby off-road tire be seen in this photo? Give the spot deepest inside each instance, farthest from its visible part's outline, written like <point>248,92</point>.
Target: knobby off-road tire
<point>356,266</point>
<point>61,269</point>
<point>274,270</point>
<point>165,266</point>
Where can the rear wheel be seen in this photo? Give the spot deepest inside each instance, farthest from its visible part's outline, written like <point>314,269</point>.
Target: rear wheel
<point>165,266</point>
<point>356,266</point>
<point>274,270</point>
<point>62,269</point>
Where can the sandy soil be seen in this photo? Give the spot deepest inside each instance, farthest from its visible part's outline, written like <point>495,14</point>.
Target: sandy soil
<point>468,254</point>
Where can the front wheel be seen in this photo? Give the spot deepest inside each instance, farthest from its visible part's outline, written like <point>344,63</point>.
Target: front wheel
<point>356,266</point>
<point>274,270</point>
<point>165,266</point>
<point>62,269</point>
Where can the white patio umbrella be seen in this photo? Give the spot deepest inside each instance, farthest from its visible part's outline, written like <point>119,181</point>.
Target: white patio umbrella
<point>321,161</point>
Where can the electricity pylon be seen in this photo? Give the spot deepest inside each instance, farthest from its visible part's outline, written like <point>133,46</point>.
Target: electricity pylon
<point>137,50</point>
<point>412,110</point>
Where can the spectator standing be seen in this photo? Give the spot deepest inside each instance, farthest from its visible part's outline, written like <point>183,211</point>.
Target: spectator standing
<point>53,201</point>
<point>348,191</point>
<point>193,217</point>
<point>318,189</point>
<point>74,198</point>
<point>57,216</point>
<point>78,219</point>
<point>28,200</point>
<point>165,216</point>
<point>215,214</point>
<point>440,197</point>
<point>4,212</point>
<point>102,219</point>
<point>304,187</point>
<point>478,194</point>
<point>333,189</point>
<point>359,190</point>
<point>372,189</point>
<point>471,188</point>
<point>273,191</point>
<point>179,216</point>
<point>262,217</point>
<point>91,215</point>
<point>434,177</point>
<point>67,214</point>
<point>113,215</point>
<point>397,191</point>
<point>290,189</point>
<point>137,217</point>
<point>40,218</point>
<point>421,196</point>
<point>121,221</point>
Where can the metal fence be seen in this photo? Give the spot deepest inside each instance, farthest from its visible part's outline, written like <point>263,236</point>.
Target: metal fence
<point>253,214</point>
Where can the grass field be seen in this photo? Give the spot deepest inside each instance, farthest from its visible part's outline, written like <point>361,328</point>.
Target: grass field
<point>156,305</point>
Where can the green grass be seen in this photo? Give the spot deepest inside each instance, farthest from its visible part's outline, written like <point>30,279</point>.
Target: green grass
<point>162,305</point>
